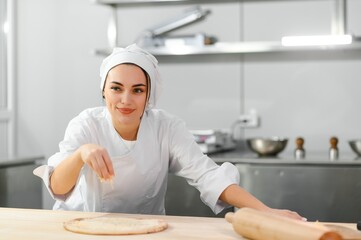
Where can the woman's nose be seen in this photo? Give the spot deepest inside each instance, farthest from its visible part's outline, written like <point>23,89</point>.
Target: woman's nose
<point>125,97</point>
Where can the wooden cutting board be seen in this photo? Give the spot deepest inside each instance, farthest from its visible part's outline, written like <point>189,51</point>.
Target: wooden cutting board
<point>259,225</point>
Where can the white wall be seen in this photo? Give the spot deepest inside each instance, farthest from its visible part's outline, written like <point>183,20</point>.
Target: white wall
<point>58,77</point>
<point>309,94</point>
<point>57,74</point>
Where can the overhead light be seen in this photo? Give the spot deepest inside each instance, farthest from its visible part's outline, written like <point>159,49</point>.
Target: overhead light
<point>317,40</point>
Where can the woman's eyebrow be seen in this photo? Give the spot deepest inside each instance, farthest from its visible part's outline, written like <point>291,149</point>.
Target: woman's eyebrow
<point>118,83</point>
<point>135,85</point>
<point>139,85</point>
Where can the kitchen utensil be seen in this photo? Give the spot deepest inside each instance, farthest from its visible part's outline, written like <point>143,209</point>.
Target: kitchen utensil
<point>259,225</point>
<point>300,152</point>
<point>333,148</point>
<point>188,17</point>
<point>345,232</point>
<point>156,36</point>
<point>267,146</point>
<point>356,146</point>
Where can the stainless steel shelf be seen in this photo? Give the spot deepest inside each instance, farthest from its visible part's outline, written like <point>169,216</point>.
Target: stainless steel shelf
<point>338,27</point>
<point>164,2</point>
<point>236,47</point>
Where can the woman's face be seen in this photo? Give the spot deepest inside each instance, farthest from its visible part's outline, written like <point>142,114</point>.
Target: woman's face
<point>125,94</point>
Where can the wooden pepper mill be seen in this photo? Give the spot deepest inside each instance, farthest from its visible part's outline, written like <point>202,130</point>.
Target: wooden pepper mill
<point>300,152</point>
<point>333,149</point>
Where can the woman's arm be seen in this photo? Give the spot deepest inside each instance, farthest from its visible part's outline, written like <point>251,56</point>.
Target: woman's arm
<point>238,197</point>
<point>66,174</point>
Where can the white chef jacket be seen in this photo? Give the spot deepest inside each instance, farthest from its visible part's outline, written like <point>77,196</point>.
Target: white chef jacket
<point>163,145</point>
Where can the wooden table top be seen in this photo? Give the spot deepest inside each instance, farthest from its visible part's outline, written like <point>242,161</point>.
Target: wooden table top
<point>35,224</point>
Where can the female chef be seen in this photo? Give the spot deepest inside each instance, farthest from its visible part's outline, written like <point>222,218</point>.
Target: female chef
<point>116,158</point>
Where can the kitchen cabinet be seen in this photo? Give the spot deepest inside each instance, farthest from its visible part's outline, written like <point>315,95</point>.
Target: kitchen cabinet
<point>338,27</point>
<point>184,200</point>
<point>18,186</point>
<point>318,192</point>
<point>317,188</point>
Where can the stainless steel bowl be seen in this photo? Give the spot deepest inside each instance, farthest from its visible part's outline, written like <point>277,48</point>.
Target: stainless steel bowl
<point>356,146</point>
<point>267,146</point>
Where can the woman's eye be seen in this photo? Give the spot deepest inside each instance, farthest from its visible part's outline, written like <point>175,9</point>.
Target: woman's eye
<point>138,90</point>
<point>115,88</point>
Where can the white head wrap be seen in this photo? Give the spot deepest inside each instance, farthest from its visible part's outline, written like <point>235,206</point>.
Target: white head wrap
<point>140,57</point>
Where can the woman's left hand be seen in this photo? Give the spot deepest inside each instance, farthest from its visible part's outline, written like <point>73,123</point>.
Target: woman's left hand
<point>287,213</point>
<point>238,197</point>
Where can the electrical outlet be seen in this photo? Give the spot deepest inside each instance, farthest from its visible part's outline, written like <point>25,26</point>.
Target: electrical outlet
<point>250,120</point>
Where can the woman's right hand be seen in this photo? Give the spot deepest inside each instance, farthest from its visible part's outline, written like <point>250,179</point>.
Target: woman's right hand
<point>97,159</point>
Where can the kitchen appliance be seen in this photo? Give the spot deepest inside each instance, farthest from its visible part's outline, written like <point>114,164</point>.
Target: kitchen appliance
<point>157,36</point>
<point>198,39</point>
<point>267,146</point>
<point>211,141</point>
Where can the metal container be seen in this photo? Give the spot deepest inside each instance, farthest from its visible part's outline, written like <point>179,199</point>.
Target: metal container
<point>356,146</point>
<point>267,146</point>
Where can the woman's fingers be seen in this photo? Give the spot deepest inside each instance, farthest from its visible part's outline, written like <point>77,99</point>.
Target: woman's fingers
<point>104,163</point>
<point>98,159</point>
<point>108,163</point>
<point>100,167</point>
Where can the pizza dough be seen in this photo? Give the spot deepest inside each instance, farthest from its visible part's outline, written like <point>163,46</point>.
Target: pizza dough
<point>115,225</point>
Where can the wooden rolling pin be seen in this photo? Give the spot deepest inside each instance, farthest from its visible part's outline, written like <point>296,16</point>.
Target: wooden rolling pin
<point>257,225</point>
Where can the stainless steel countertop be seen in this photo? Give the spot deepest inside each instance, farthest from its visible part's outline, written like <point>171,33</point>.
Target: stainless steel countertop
<point>246,157</point>
<point>11,162</point>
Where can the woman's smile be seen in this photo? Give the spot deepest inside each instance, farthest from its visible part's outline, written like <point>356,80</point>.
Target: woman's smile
<point>126,110</point>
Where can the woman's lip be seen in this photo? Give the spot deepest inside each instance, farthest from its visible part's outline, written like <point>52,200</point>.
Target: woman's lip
<point>126,110</point>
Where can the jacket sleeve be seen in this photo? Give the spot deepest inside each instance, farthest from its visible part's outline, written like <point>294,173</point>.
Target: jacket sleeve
<point>74,137</point>
<point>44,172</point>
<point>188,161</point>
